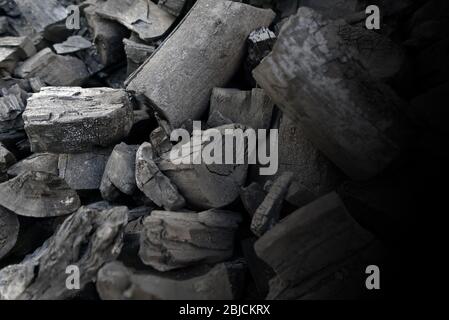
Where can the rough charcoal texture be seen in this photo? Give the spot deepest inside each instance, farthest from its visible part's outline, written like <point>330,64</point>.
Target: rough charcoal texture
<point>42,162</point>
<point>14,49</point>
<point>72,119</point>
<point>9,231</point>
<point>182,90</point>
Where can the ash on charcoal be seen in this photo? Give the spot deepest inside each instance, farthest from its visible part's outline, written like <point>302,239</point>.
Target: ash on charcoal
<point>88,239</point>
<point>181,90</point>
<point>38,162</point>
<point>251,108</point>
<point>72,119</point>
<point>9,231</point>
<point>119,174</point>
<point>173,240</point>
<point>38,194</point>
<point>222,282</point>
<point>83,171</point>
<point>54,69</point>
<point>136,53</point>
<point>72,44</point>
<point>13,50</point>
<point>361,140</point>
<point>153,183</point>
<point>142,17</point>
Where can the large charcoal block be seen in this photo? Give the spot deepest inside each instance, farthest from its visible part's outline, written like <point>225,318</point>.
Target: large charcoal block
<point>203,52</point>
<point>73,120</point>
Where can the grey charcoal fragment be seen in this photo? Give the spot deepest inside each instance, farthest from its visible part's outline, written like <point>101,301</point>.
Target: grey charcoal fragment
<point>260,43</point>
<point>219,30</point>
<point>160,141</point>
<point>205,186</point>
<point>267,214</point>
<point>43,14</point>
<point>42,162</point>
<point>140,16</point>
<point>352,118</point>
<point>7,159</point>
<point>87,239</point>
<point>136,53</point>
<point>54,69</point>
<point>117,282</point>
<point>83,171</point>
<point>174,7</point>
<point>251,108</point>
<point>310,239</point>
<point>173,240</point>
<point>73,120</point>
<point>153,183</point>
<point>119,173</point>
<point>4,25</point>
<point>13,50</point>
<point>252,197</point>
<point>38,194</point>
<point>72,44</point>
<point>10,8</point>
<point>9,231</point>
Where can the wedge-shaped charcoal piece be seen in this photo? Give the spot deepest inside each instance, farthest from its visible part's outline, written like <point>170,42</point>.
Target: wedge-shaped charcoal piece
<point>222,282</point>
<point>7,159</point>
<point>54,69</point>
<point>310,239</point>
<point>267,214</point>
<point>172,240</point>
<point>119,173</point>
<point>206,185</point>
<point>14,49</point>
<point>38,194</point>
<point>251,108</point>
<point>252,197</point>
<point>72,119</point>
<point>42,162</point>
<point>9,231</point>
<point>87,239</point>
<point>83,171</point>
<point>153,183</point>
<point>174,7</point>
<point>212,39</point>
<point>317,79</point>
<point>140,16</point>
<point>137,53</point>
<point>72,44</point>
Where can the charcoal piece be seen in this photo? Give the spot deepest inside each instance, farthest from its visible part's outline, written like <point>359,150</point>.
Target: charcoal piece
<point>119,173</point>
<point>107,36</point>
<point>38,194</point>
<point>267,214</point>
<point>13,50</point>
<point>42,162</point>
<point>310,239</point>
<point>153,183</point>
<point>54,69</point>
<point>172,240</point>
<point>72,44</point>
<point>73,120</point>
<point>117,282</point>
<point>136,53</point>
<point>7,159</point>
<point>252,197</point>
<point>260,43</point>
<point>83,171</point>
<point>160,141</point>
<point>205,185</point>
<point>140,16</point>
<point>250,108</point>
<point>12,103</point>
<point>174,7</point>
<point>349,116</point>
<point>9,7</point>
<point>218,30</point>
<point>9,231</point>
<point>87,239</point>
<point>4,25</point>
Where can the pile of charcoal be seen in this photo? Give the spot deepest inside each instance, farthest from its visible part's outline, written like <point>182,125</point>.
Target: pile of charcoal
<point>93,205</point>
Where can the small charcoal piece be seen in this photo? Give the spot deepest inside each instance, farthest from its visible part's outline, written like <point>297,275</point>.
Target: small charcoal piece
<point>7,159</point>
<point>54,69</point>
<point>87,239</point>
<point>9,231</point>
<point>72,44</point>
<point>222,282</point>
<point>42,162</point>
<point>251,108</point>
<point>38,194</point>
<point>136,53</point>
<point>172,240</point>
<point>218,30</point>
<point>13,50</point>
<point>260,43</point>
<point>83,171</point>
<point>72,119</point>
<point>153,183</point>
